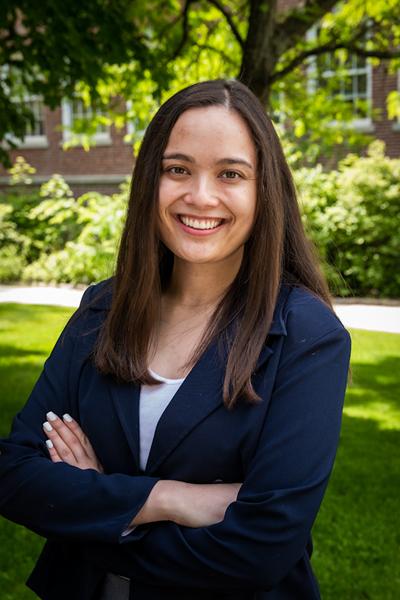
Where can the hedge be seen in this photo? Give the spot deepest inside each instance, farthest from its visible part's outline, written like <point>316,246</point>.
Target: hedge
<point>350,214</point>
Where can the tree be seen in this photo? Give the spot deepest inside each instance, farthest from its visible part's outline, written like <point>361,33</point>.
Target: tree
<point>142,51</point>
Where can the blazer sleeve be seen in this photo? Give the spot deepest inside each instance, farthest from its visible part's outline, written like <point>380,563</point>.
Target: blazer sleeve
<point>57,500</point>
<point>264,533</point>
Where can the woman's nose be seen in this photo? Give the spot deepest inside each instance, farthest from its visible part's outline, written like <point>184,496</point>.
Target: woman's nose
<point>202,192</point>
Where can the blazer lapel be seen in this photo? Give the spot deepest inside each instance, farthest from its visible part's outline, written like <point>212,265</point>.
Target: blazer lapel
<point>125,397</point>
<point>198,396</point>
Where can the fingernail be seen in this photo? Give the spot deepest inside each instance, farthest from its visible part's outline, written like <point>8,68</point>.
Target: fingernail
<point>49,443</point>
<point>67,418</point>
<point>47,426</point>
<point>51,416</point>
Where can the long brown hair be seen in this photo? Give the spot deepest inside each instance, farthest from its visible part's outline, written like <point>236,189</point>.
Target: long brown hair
<point>277,251</point>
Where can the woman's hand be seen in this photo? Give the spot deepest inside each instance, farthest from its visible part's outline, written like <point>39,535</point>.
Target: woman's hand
<point>189,504</point>
<point>67,443</point>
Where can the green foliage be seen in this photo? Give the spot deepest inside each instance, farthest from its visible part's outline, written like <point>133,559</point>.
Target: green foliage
<point>81,238</point>
<point>352,216</point>
<point>50,236</point>
<point>21,171</point>
<point>13,247</point>
<point>54,220</point>
<point>48,47</point>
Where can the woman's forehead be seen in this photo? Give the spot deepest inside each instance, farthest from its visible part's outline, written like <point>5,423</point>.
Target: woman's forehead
<point>213,130</point>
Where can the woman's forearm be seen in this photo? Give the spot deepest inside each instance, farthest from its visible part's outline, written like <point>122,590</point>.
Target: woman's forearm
<point>159,502</point>
<point>188,504</point>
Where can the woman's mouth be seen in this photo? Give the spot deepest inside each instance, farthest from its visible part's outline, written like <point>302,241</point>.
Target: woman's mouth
<point>201,224</point>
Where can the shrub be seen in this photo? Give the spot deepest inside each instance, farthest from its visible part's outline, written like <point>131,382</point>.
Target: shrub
<point>98,220</point>
<point>13,247</point>
<point>352,216</point>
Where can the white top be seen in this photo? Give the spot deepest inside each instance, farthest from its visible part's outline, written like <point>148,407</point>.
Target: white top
<point>154,399</point>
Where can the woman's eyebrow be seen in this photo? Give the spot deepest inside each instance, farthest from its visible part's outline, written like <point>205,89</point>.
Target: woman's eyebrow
<point>178,156</point>
<point>235,161</point>
<point>229,161</point>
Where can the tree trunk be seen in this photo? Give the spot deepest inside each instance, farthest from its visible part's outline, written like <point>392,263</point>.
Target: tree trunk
<point>259,55</point>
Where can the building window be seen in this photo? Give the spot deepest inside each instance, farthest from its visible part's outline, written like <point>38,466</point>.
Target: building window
<point>35,105</point>
<point>396,124</point>
<point>349,80</point>
<point>35,133</point>
<point>74,112</point>
<point>134,129</point>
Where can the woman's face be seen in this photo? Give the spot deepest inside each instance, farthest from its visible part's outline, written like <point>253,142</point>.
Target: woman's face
<point>207,195</point>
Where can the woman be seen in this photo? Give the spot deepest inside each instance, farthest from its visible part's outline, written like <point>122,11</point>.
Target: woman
<point>192,405</point>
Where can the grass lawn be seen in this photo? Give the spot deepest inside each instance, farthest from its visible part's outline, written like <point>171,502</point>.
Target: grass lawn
<point>357,533</point>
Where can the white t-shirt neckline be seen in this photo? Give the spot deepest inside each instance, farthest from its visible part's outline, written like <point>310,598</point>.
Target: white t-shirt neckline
<point>163,379</point>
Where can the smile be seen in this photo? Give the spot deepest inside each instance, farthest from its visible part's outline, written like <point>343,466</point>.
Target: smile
<point>200,224</point>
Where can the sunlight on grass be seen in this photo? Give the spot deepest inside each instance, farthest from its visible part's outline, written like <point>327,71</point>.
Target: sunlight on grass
<point>384,414</point>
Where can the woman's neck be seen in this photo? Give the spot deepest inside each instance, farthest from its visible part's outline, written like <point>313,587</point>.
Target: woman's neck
<point>201,285</point>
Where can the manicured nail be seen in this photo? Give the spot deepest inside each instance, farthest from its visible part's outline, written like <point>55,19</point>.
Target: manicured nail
<point>67,418</point>
<point>49,443</point>
<point>47,426</point>
<point>51,416</point>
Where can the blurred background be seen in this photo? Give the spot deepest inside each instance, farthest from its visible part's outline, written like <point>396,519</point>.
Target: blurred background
<point>78,84</point>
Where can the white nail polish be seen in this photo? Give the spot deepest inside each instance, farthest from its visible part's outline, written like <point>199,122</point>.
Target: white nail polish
<point>67,418</point>
<point>49,443</point>
<point>51,416</point>
<point>47,426</point>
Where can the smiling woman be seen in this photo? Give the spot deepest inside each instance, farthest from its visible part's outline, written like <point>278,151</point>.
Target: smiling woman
<point>180,438</point>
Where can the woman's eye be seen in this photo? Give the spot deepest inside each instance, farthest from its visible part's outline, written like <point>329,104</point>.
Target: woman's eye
<point>176,170</point>
<point>231,175</point>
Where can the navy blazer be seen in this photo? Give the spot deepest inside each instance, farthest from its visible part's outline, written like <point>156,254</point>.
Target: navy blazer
<point>282,449</point>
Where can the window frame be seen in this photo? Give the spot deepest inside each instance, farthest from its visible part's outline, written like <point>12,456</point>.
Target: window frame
<point>101,138</point>
<point>396,124</point>
<point>30,141</point>
<point>362,124</point>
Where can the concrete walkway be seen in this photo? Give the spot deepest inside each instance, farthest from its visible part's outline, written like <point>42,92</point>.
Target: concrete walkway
<point>359,315</point>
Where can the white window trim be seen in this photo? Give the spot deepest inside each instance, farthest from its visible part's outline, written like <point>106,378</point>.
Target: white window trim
<point>33,141</point>
<point>130,126</point>
<point>366,124</point>
<point>29,142</point>
<point>396,124</point>
<point>100,139</point>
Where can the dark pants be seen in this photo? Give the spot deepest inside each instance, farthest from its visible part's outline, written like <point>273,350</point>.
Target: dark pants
<point>115,588</point>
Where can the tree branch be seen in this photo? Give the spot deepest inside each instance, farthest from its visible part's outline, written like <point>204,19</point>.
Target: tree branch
<point>298,22</point>
<point>335,44</point>
<point>226,58</point>
<point>383,54</point>
<point>300,58</point>
<point>185,30</point>
<point>231,23</point>
<point>331,47</point>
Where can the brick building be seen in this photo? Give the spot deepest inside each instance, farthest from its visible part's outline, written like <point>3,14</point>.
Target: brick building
<point>102,168</point>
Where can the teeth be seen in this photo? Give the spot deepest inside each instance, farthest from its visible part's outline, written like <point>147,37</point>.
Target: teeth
<point>200,224</point>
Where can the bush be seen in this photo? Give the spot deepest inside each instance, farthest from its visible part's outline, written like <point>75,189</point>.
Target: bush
<point>13,247</point>
<point>351,214</point>
<point>89,255</point>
